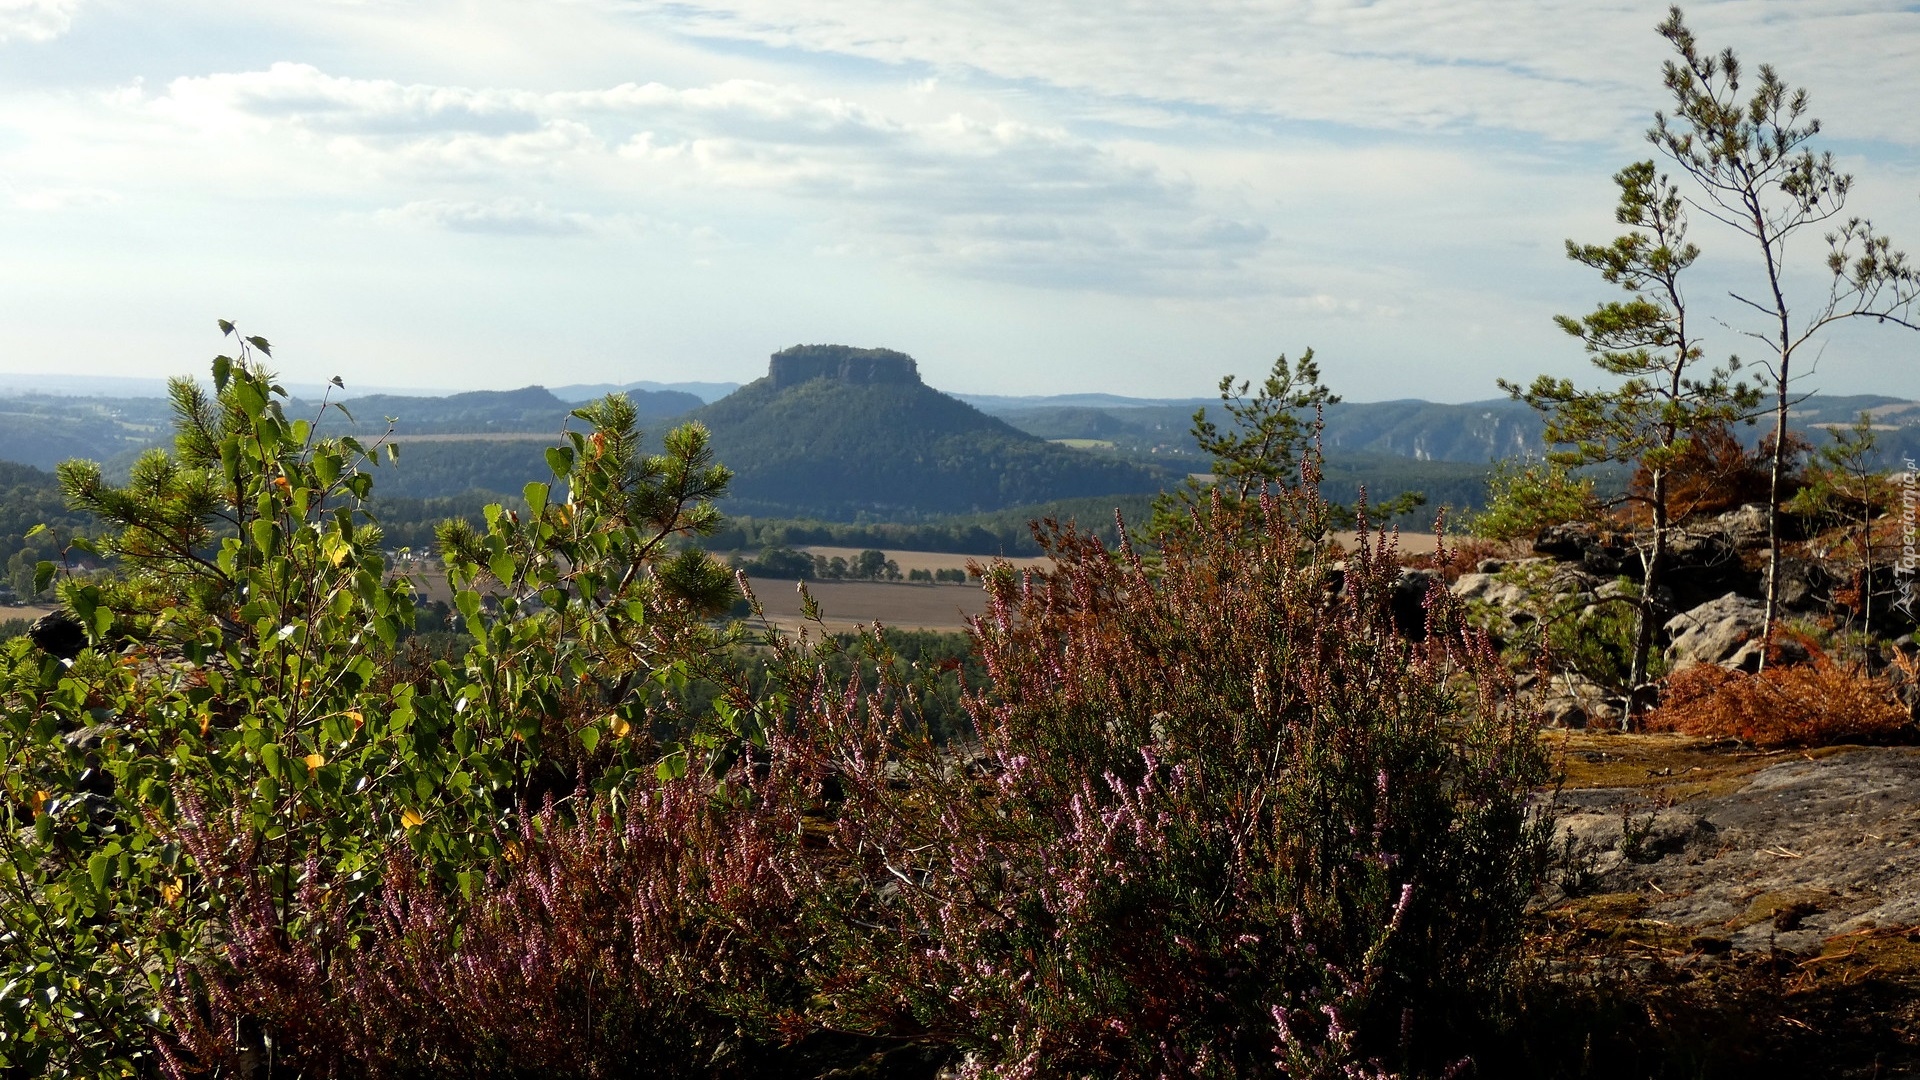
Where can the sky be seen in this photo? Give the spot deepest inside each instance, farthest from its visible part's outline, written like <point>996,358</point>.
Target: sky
<point>1029,196</point>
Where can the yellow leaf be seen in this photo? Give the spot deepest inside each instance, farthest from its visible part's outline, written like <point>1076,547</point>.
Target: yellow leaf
<point>618,726</point>
<point>358,720</point>
<point>314,761</point>
<point>171,890</point>
<point>412,819</point>
<point>38,800</point>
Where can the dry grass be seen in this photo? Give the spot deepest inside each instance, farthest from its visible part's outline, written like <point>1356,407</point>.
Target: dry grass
<point>1817,703</point>
<point>1665,767</point>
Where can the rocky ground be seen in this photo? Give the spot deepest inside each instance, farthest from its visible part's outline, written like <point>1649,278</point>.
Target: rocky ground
<point>1808,847</point>
<point>1790,880</point>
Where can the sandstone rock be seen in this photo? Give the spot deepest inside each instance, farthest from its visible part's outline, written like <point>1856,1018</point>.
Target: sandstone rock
<point>1724,631</point>
<point>1805,584</point>
<point>1703,564</point>
<point>1746,526</point>
<point>1612,557</point>
<point>1803,850</point>
<point>1641,837</point>
<point>1491,588</point>
<point>1568,541</point>
<point>1568,700</point>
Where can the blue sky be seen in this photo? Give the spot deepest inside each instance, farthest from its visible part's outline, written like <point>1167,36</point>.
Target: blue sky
<point>1029,196</point>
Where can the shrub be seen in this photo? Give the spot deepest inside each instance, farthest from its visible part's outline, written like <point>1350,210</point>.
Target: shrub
<point>1523,499</point>
<point>1223,817</point>
<point>605,942</point>
<point>251,665</point>
<point>1817,703</point>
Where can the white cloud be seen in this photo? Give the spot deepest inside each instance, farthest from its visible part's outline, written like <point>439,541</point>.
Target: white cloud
<point>983,197</point>
<point>1559,69</point>
<point>35,20</point>
<point>503,217</point>
<point>51,199</point>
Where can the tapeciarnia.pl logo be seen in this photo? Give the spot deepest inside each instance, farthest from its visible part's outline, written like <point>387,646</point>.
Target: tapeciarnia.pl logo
<point>1907,572</point>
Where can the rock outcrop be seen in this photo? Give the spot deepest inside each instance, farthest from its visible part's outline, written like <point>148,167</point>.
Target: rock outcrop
<point>1711,602</point>
<point>841,363</point>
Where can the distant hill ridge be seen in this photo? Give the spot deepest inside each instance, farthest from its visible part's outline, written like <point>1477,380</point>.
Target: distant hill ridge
<point>530,409</point>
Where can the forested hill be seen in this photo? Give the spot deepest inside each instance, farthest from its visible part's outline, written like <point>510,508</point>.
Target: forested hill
<point>838,432</point>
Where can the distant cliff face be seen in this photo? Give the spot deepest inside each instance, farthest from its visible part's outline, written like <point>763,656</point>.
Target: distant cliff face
<point>842,363</point>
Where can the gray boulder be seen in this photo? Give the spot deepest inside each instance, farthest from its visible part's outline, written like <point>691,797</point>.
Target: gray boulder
<point>1409,602</point>
<point>1703,564</point>
<point>1746,526</point>
<point>1491,588</point>
<point>1724,631</point>
<point>1569,700</point>
<point>1805,584</point>
<point>58,633</point>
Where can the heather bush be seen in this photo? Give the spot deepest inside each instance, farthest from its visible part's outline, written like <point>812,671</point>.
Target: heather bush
<point>641,936</point>
<point>1223,819</point>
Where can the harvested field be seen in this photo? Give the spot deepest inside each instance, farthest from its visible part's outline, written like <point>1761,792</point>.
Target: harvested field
<point>1411,543</point>
<point>846,605</point>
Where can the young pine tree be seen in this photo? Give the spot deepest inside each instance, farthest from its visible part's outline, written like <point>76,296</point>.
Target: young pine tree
<point>1663,401</point>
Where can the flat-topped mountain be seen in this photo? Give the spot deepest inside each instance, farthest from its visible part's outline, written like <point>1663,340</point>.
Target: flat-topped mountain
<point>843,432</point>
